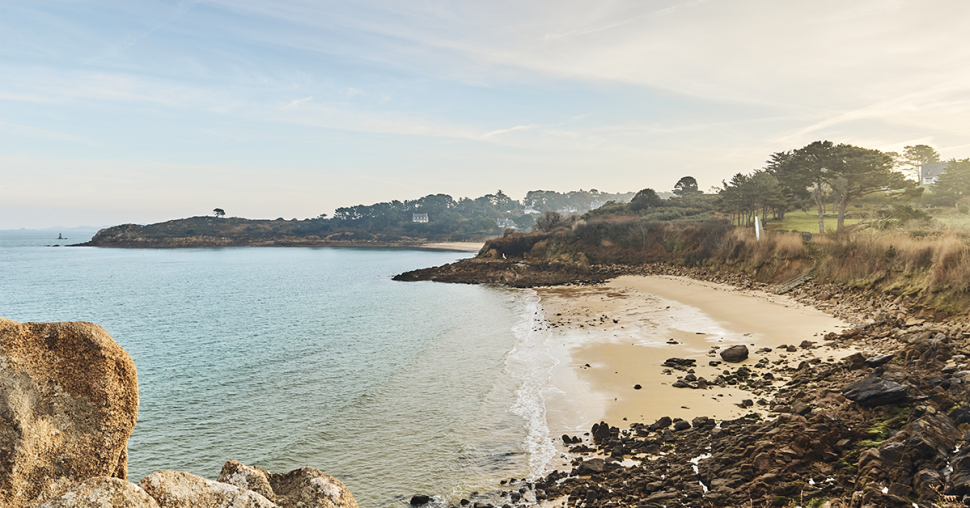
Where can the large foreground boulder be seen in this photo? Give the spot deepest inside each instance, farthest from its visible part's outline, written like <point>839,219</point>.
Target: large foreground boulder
<point>68,403</point>
<point>102,492</point>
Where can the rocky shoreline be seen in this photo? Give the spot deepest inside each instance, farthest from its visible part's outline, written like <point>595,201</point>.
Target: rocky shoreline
<point>68,404</point>
<point>850,304</point>
<point>882,429</point>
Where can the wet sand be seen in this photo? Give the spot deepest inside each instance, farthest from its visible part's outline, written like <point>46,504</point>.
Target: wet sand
<point>612,336</point>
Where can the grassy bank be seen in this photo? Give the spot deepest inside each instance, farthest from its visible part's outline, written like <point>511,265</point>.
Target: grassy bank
<point>798,220</point>
<point>931,268</point>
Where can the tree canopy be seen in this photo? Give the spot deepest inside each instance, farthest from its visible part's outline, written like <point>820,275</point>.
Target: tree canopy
<point>686,185</point>
<point>954,183</point>
<point>823,172</point>
<point>646,198</point>
<point>913,157</point>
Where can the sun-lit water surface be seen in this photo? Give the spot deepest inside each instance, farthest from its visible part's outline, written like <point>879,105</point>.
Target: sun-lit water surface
<point>285,357</point>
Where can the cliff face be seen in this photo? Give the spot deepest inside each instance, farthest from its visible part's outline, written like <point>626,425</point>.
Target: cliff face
<point>68,403</point>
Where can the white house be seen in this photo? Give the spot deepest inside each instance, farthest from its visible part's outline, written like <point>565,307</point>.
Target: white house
<point>506,223</point>
<point>928,173</point>
<point>419,217</point>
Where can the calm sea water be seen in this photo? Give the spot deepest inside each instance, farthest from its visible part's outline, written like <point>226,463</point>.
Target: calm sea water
<point>285,357</point>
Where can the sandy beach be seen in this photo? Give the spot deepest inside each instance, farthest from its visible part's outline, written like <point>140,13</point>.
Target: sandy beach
<point>610,337</point>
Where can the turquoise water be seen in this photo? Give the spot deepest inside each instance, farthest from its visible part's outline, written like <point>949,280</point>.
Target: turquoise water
<point>285,357</point>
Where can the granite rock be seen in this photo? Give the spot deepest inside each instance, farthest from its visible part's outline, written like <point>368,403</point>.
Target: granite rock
<point>68,403</point>
<point>308,487</point>
<point>178,489</point>
<point>102,492</point>
<point>247,478</point>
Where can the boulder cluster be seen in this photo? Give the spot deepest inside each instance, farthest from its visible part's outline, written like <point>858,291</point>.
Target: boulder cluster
<point>69,402</point>
<point>887,430</point>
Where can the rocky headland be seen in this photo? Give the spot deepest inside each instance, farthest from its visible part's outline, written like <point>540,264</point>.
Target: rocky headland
<point>517,274</point>
<point>68,404</point>
<point>196,232</point>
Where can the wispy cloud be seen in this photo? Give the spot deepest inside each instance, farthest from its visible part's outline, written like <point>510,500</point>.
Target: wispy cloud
<point>510,129</point>
<point>297,102</point>
<point>37,132</point>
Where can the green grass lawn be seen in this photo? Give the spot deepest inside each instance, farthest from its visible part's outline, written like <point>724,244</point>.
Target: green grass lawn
<point>798,220</point>
<point>953,219</point>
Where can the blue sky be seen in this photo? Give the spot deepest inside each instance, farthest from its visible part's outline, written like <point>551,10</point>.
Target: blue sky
<point>145,111</point>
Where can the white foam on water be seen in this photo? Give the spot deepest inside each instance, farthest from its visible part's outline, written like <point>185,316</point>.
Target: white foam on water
<point>530,364</point>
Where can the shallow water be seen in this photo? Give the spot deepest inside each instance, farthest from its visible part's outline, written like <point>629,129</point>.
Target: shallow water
<point>285,357</point>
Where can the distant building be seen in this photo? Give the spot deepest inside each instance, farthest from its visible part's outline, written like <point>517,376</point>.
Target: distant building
<point>593,205</point>
<point>419,217</point>
<point>532,211</point>
<point>928,173</point>
<point>506,223</point>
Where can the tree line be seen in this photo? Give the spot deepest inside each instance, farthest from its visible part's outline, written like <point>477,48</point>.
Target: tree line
<point>456,219</point>
<point>826,174</point>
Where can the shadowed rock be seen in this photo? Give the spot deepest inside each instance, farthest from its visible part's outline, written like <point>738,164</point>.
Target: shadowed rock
<point>591,466</point>
<point>873,391</point>
<point>68,403</point>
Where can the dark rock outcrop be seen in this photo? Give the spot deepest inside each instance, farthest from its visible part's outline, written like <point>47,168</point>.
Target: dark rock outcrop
<point>420,499</point>
<point>68,403</point>
<point>510,273</point>
<point>873,391</point>
<point>591,466</point>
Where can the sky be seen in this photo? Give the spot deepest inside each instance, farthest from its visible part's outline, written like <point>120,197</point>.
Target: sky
<point>116,111</point>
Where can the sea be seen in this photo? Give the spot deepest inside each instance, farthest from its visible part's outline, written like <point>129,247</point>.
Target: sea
<point>290,357</point>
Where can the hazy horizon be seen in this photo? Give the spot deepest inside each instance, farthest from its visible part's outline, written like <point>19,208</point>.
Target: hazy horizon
<point>145,112</point>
